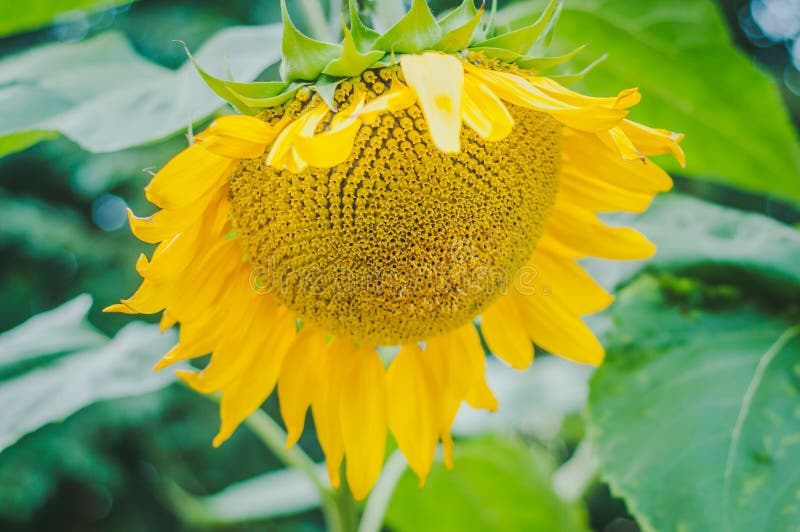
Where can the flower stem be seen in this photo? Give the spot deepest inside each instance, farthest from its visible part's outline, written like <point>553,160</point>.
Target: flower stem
<point>274,438</point>
<point>315,17</point>
<point>378,502</point>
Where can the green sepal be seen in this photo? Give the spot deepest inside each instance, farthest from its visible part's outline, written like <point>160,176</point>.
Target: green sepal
<point>502,54</point>
<point>326,88</point>
<point>221,87</point>
<point>418,30</point>
<point>256,103</point>
<point>568,79</point>
<point>458,27</point>
<point>363,36</point>
<point>304,58</point>
<point>352,62</point>
<point>521,40</point>
<point>538,64</point>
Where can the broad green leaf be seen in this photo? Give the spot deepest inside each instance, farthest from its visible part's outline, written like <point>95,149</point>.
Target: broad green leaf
<point>15,18</point>
<point>90,372</point>
<point>274,494</point>
<point>105,97</point>
<point>532,403</point>
<point>498,483</point>
<point>693,80</point>
<point>694,414</point>
<point>722,240</point>
<point>60,330</point>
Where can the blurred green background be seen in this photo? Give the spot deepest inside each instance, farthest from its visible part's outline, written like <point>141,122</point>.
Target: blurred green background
<point>725,287</point>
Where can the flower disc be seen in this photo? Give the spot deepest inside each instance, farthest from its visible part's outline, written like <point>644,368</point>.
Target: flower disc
<point>401,242</point>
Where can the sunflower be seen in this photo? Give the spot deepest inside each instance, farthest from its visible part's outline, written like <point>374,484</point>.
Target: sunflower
<point>424,189</point>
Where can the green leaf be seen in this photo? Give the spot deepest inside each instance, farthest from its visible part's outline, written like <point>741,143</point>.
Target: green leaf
<point>304,58</point>
<point>60,330</point>
<point>498,483</point>
<point>521,40</point>
<point>416,31</point>
<point>459,26</point>
<point>91,372</point>
<point>694,414</point>
<point>723,241</point>
<point>37,13</point>
<point>352,62</point>
<point>105,97</point>
<point>693,80</point>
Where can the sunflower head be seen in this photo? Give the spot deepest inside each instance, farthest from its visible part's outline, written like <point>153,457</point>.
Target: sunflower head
<point>392,189</point>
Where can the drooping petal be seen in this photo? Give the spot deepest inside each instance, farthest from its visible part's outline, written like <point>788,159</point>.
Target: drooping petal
<point>190,175</point>
<point>652,141</point>
<point>325,407</point>
<point>412,409</point>
<point>363,416</point>
<point>584,233</point>
<point>300,373</point>
<point>505,334</point>
<point>554,327</point>
<point>238,136</point>
<point>519,91</point>
<point>242,397</point>
<point>438,81</point>
<point>484,112</point>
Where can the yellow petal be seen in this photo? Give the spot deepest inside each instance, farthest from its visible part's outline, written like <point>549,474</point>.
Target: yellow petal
<point>484,112</point>
<point>438,81</point>
<point>583,232</point>
<point>505,335</point>
<point>468,345</point>
<point>651,141</point>
<point>325,407</point>
<point>300,373</point>
<point>398,97</point>
<point>280,154</point>
<point>191,174</point>
<point>552,326</point>
<point>592,157</point>
<point>412,409</point>
<point>363,416</point>
<point>238,136</point>
<point>519,91</point>
<point>564,279</point>
<point>599,195</point>
<point>328,149</point>
<point>242,397</point>
<point>240,343</point>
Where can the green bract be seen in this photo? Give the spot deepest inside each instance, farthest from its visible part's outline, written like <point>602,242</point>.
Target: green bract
<point>323,65</point>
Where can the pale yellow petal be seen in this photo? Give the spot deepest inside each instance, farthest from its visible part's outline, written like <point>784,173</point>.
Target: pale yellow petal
<point>484,112</point>
<point>438,81</point>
